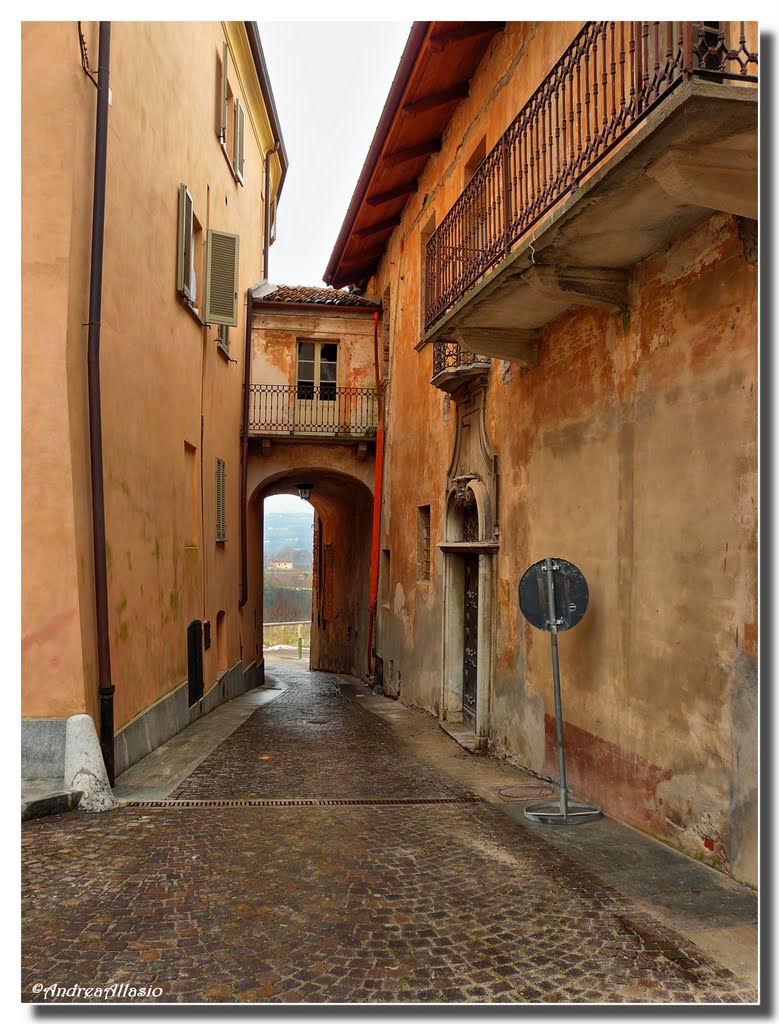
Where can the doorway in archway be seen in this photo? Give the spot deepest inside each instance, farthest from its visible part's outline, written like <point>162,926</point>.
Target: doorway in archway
<point>288,560</point>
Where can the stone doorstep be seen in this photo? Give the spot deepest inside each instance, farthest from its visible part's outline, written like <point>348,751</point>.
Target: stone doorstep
<point>462,734</point>
<point>42,797</point>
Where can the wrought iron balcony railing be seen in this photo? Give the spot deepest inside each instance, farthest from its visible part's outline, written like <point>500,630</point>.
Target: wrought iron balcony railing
<point>306,410</point>
<point>448,356</point>
<point>605,83</point>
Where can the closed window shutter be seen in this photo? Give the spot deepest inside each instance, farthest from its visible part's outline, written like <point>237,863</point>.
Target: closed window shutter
<point>221,306</point>
<point>239,133</point>
<point>223,97</point>
<point>220,500</point>
<point>184,259</point>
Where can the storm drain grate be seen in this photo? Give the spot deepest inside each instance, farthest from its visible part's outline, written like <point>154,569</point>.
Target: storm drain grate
<point>526,792</point>
<point>306,802</point>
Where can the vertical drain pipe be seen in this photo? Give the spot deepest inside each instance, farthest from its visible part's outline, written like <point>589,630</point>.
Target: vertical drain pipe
<point>377,485</point>
<point>245,447</point>
<point>105,686</point>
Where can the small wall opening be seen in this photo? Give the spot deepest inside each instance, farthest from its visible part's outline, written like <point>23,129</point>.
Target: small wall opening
<point>221,641</point>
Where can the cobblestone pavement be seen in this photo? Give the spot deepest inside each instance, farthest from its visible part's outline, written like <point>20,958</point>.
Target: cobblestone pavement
<point>443,902</point>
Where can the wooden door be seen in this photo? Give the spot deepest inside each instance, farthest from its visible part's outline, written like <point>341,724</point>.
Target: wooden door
<point>470,639</point>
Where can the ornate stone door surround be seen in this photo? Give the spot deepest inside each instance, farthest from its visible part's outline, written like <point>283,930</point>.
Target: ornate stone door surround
<point>471,527</point>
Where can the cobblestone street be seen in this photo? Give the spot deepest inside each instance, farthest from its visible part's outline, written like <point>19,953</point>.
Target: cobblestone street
<point>445,901</point>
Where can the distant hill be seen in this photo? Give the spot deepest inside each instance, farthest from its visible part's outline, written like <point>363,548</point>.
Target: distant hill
<point>289,535</point>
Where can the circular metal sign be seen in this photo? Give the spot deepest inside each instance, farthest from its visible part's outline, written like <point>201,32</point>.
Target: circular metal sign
<point>571,595</point>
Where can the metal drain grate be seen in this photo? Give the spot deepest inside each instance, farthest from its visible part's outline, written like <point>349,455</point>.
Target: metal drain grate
<point>526,793</point>
<point>326,802</point>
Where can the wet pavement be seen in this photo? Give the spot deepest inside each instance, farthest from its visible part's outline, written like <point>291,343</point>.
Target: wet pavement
<point>398,900</point>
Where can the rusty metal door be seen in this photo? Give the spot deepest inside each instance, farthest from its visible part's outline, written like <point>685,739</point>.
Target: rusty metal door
<point>470,639</point>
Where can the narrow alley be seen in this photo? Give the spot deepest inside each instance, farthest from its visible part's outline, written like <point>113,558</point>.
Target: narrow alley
<point>339,847</point>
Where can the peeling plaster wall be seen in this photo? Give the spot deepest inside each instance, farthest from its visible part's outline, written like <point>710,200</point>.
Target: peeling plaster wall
<point>630,450</point>
<point>274,345</point>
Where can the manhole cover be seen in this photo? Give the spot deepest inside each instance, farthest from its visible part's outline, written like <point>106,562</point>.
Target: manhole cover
<point>526,792</point>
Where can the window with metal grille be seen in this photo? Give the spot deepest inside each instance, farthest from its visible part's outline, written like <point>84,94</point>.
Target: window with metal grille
<point>423,543</point>
<point>220,501</point>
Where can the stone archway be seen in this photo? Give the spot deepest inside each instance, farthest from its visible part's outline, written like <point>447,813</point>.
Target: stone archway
<point>342,522</point>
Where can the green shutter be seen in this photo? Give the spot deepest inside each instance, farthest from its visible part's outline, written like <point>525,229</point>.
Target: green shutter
<point>184,255</point>
<point>239,135</point>
<point>221,305</point>
<point>220,500</point>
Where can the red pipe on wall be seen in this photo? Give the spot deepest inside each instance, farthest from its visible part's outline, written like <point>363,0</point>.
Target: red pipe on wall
<point>377,483</point>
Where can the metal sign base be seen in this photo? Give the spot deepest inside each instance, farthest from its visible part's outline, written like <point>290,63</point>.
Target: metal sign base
<point>554,814</point>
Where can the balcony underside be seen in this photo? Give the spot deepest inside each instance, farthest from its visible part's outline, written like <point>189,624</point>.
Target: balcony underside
<point>695,154</point>
<point>454,378</point>
<point>301,437</point>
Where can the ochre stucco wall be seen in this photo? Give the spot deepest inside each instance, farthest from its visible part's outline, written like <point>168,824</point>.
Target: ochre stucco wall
<point>164,382</point>
<point>630,450</point>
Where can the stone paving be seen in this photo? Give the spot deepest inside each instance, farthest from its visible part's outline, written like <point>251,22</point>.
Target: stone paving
<point>370,903</point>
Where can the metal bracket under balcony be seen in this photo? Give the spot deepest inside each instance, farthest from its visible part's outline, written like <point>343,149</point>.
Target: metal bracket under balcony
<point>453,368</point>
<point>286,412</point>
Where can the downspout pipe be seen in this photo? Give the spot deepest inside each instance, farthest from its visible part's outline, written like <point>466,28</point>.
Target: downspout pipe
<point>105,685</point>
<point>247,363</point>
<point>377,486</point>
<point>247,360</point>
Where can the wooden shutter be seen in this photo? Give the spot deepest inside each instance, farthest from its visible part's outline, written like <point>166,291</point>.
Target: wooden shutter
<point>184,257</point>
<point>221,305</point>
<point>239,140</point>
<point>220,500</point>
<point>222,128</point>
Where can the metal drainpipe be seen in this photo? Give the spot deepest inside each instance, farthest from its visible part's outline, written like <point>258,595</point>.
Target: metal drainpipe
<point>377,485</point>
<point>105,686</point>
<point>245,447</point>
<point>247,383</point>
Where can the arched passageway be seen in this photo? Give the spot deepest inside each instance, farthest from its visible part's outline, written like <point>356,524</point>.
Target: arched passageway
<point>342,537</point>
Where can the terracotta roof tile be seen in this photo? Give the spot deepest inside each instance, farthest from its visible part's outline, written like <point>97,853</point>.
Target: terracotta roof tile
<point>317,296</point>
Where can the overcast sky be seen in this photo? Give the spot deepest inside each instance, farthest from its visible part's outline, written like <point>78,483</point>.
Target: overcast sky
<point>288,503</point>
<point>330,81</point>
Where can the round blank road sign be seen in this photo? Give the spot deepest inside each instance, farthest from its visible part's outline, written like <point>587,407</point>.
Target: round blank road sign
<point>571,595</point>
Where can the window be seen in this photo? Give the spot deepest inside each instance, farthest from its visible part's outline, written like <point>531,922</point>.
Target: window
<point>272,235</point>
<point>476,218</point>
<point>220,501</point>
<point>218,303</point>
<point>426,280</point>
<point>223,338</point>
<point>190,238</point>
<point>192,478</point>
<point>231,121</point>
<point>423,543</point>
<point>317,371</point>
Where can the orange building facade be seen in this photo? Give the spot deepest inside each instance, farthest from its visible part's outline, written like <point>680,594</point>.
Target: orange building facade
<point>194,167</point>
<point>560,221</point>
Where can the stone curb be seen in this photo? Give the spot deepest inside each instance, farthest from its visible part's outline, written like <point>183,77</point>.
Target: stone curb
<point>51,803</point>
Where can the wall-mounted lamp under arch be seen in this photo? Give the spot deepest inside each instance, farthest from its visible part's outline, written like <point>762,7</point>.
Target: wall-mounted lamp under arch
<point>304,490</point>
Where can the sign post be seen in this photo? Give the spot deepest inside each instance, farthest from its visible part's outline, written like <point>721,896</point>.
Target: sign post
<point>553,596</point>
